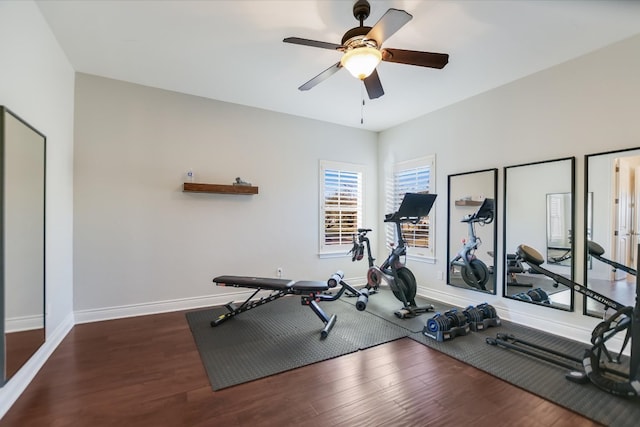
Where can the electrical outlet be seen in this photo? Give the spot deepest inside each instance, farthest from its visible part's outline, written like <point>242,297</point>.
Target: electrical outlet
<point>279,271</point>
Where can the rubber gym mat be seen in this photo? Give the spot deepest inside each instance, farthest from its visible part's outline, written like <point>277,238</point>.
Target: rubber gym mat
<point>280,336</point>
<point>384,304</point>
<point>536,376</point>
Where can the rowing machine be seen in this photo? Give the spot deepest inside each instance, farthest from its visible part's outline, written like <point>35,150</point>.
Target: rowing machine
<point>594,361</point>
<point>596,251</point>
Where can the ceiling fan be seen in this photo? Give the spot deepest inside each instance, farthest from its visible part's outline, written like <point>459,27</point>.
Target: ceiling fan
<point>362,49</point>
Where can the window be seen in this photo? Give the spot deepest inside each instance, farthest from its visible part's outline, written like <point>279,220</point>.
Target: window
<point>414,176</point>
<point>340,205</point>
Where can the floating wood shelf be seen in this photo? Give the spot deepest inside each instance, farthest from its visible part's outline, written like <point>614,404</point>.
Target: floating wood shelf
<point>468,203</point>
<point>219,188</point>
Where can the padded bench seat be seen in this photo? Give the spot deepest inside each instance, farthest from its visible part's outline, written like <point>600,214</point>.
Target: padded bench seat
<point>272,284</point>
<point>309,286</point>
<point>254,282</point>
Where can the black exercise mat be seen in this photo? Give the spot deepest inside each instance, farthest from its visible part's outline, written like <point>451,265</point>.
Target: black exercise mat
<point>536,376</point>
<point>384,304</point>
<point>280,336</point>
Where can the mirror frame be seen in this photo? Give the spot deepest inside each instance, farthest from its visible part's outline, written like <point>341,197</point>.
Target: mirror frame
<point>494,224</point>
<point>33,337</point>
<point>587,199</point>
<point>505,267</point>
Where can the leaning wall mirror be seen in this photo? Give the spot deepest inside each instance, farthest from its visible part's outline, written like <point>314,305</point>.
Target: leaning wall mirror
<point>539,201</point>
<point>22,199</point>
<point>612,186</point>
<point>471,232</point>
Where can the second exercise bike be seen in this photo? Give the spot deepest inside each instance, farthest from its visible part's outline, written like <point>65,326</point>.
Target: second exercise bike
<point>474,272</point>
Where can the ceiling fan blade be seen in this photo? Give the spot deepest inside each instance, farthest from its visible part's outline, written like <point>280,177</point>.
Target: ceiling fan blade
<point>414,57</point>
<point>391,21</point>
<point>373,85</point>
<point>312,43</point>
<point>321,77</point>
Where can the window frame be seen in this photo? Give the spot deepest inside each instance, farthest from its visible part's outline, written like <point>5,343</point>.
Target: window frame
<point>424,254</point>
<point>340,249</point>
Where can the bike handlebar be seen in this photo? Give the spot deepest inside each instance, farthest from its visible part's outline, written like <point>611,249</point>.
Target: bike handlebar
<point>482,219</point>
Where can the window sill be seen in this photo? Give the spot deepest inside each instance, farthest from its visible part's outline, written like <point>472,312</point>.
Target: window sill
<point>328,255</point>
<point>424,260</point>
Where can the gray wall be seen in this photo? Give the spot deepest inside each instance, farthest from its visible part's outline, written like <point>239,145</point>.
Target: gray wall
<point>143,245</point>
<point>583,106</point>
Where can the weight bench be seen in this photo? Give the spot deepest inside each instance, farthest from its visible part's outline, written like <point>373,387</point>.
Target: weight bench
<point>514,267</point>
<point>311,292</point>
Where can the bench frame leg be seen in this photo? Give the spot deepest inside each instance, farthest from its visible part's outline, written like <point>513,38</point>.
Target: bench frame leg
<point>247,305</point>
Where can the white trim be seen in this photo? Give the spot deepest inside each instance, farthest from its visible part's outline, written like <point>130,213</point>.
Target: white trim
<point>19,382</point>
<point>418,162</point>
<point>24,323</point>
<point>341,254</point>
<point>422,259</point>
<point>143,309</point>
<point>424,162</point>
<point>346,167</point>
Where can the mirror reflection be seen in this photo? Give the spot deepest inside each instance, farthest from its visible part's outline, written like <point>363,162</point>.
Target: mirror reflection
<point>22,231</point>
<point>613,192</point>
<point>471,230</point>
<point>558,229</point>
<point>539,211</point>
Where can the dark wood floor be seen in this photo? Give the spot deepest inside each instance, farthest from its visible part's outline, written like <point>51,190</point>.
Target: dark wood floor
<point>146,371</point>
<point>19,347</point>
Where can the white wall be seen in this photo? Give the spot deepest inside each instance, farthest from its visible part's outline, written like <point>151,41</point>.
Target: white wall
<point>583,106</point>
<point>143,245</point>
<point>36,83</point>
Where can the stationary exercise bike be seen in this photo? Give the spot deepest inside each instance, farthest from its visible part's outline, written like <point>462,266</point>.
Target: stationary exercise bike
<point>474,272</point>
<point>392,271</point>
<point>597,360</point>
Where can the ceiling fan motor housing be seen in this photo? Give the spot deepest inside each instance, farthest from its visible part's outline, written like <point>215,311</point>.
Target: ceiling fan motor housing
<point>356,34</point>
<point>355,37</point>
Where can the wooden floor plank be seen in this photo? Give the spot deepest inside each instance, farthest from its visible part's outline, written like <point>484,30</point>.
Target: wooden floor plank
<point>146,371</point>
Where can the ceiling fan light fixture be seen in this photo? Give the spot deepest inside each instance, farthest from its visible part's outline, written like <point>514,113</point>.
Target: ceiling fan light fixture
<point>361,61</point>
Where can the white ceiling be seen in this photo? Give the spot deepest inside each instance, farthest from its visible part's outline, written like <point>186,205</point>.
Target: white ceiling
<point>233,51</point>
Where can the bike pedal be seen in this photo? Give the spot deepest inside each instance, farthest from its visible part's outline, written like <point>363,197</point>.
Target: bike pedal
<point>577,377</point>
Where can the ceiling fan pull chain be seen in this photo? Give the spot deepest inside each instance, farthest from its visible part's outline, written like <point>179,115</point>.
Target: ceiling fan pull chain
<point>362,105</point>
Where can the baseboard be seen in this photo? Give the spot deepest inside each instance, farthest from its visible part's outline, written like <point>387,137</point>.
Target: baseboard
<point>156,307</point>
<point>24,323</point>
<point>19,382</point>
<point>132,310</point>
